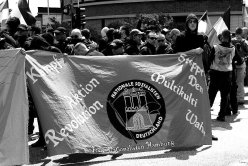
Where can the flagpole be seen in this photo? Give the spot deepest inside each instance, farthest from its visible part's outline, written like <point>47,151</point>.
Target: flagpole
<point>243,13</point>
<point>48,9</point>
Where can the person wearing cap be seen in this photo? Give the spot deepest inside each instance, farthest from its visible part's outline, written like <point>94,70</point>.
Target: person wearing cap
<point>117,47</point>
<point>60,36</point>
<point>22,36</point>
<point>133,44</point>
<point>149,47</point>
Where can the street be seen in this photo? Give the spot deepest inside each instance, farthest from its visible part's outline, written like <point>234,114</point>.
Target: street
<point>230,150</point>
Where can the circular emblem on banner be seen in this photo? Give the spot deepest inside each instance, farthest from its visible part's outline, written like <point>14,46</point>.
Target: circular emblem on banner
<point>136,109</point>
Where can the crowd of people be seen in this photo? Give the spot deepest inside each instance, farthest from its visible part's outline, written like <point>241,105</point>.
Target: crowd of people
<point>224,63</point>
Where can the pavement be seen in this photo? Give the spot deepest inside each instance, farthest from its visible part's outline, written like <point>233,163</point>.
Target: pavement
<point>230,150</point>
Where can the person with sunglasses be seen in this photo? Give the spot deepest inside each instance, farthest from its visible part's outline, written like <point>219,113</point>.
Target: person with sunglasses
<point>163,47</point>
<point>149,47</point>
<point>191,39</point>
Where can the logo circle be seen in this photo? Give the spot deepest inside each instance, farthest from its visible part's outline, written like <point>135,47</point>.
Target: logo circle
<point>136,109</point>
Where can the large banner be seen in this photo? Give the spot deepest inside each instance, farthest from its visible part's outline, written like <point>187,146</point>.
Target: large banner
<point>119,104</point>
<point>13,109</point>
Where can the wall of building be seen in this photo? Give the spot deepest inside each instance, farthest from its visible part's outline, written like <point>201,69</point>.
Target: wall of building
<point>111,10</point>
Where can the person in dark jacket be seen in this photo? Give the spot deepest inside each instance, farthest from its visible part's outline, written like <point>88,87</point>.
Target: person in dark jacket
<point>132,45</point>
<point>149,47</point>
<point>190,39</point>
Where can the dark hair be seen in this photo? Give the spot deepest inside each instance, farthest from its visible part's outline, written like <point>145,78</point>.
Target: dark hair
<point>48,37</point>
<point>36,29</point>
<point>239,31</point>
<point>116,34</point>
<point>13,22</point>
<point>109,34</point>
<point>126,29</point>
<point>226,34</point>
<point>86,33</point>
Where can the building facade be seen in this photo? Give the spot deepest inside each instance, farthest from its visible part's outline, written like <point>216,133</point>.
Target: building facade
<point>100,13</point>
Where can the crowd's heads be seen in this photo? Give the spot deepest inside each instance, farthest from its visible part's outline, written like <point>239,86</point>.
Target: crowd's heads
<point>60,34</point>
<point>50,30</point>
<point>35,30</point>
<point>117,47</point>
<point>161,39</point>
<point>80,49</point>
<point>191,23</point>
<point>238,31</point>
<point>48,37</point>
<point>109,34</point>
<point>174,33</point>
<point>135,32</point>
<point>60,30</point>
<point>38,42</point>
<point>245,32</point>
<point>125,32</point>
<point>116,34</point>
<point>22,27</point>
<point>22,30</point>
<point>152,38</point>
<point>136,35</point>
<point>76,34</point>
<point>12,24</point>
<point>104,31</point>
<point>86,33</point>
<point>226,36</point>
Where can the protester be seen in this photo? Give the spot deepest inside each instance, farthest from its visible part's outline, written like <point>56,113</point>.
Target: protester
<point>190,39</point>
<point>88,41</point>
<point>9,35</point>
<point>81,49</point>
<point>125,32</point>
<point>221,72</point>
<point>245,37</point>
<point>107,50</point>
<point>242,49</point>
<point>104,40</point>
<point>117,47</point>
<point>22,36</point>
<point>133,44</point>
<point>149,47</point>
<point>60,36</point>
<point>173,35</point>
<point>163,47</point>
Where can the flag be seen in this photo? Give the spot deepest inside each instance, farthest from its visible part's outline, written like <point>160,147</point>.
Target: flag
<point>245,14</point>
<point>23,12</point>
<point>13,109</point>
<point>89,104</point>
<point>4,12</point>
<point>204,25</point>
<point>221,24</point>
